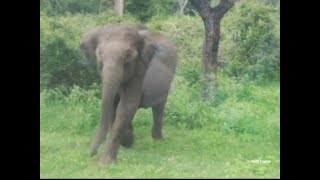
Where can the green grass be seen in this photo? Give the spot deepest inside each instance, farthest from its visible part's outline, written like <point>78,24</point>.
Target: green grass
<point>243,127</point>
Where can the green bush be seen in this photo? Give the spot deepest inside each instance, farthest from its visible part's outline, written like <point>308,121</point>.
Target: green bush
<point>145,10</point>
<point>185,108</point>
<point>52,96</point>
<point>250,41</point>
<point>63,7</point>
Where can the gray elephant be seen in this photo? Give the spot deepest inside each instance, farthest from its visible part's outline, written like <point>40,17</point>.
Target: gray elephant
<point>137,67</point>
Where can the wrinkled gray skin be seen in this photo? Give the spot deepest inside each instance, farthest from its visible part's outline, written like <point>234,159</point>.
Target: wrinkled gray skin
<point>136,67</point>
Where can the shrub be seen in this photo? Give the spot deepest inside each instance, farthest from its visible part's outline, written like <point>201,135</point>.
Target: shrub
<point>250,41</point>
<point>185,108</point>
<point>145,10</point>
<point>52,96</point>
<point>56,8</point>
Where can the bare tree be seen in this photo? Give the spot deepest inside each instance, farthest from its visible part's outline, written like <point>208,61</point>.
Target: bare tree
<point>58,3</point>
<point>119,6</point>
<point>182,5</point>
<point>211,18</point>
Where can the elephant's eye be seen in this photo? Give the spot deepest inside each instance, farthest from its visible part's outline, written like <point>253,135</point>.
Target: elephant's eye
<point>130,55</point>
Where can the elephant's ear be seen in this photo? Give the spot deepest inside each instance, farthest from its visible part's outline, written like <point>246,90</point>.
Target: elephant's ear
<point>89,44</point>
<point>148,46</point>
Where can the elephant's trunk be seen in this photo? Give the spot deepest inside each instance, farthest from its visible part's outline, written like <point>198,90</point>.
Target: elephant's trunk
<point>111,80</point>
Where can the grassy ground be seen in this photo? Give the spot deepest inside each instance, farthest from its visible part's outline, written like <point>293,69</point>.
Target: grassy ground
<point>242,130</point>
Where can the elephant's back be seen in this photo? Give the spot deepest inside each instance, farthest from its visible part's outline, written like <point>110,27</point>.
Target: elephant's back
<point>159,74</point>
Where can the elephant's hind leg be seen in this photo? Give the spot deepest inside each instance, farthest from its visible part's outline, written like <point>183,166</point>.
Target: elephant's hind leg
<point>158,112</point>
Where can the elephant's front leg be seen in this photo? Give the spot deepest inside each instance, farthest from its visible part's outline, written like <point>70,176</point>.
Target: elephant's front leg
<point>108,114</point>
<point>129,102</point>
<point>127,138</point>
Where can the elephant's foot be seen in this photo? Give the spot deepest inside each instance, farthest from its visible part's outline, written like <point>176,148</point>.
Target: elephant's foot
<point>127,139</point>
<point>105,161</point>
<point>93,151</point>
<point>95,146</point>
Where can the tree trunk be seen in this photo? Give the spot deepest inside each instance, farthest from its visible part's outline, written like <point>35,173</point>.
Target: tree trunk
<point>211,18</point>
<point>210,58</point>
<point>119,6</point>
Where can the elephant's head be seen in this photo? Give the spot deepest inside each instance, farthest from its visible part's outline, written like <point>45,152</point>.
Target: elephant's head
<point>124,46</point>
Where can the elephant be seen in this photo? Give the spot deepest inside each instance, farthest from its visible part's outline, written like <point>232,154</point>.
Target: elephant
<point>137,67</point>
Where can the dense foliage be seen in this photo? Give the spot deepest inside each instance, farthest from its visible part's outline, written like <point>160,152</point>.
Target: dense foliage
<point>145,10</point>
<point>63,7</point>
<point>251,40</point>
